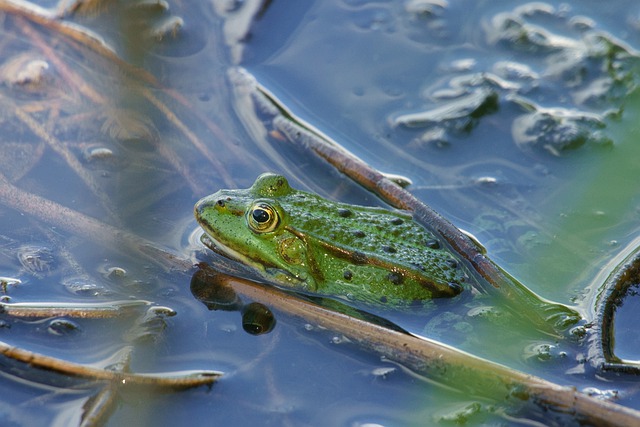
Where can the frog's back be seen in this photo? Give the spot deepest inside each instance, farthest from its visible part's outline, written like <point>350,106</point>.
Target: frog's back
<point>377,238</point>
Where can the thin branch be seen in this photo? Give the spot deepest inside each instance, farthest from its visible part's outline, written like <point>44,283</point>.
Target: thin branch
<point>468,374</point>
<point>96,44</point>
<point>68,157</point>
<point>83,225</point>
<point>107,310</point>
<point>172,380</point>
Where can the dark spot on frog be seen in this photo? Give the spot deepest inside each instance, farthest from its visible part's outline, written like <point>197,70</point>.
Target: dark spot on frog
<point>397,221</point>
<point>383,299</point>
<point>419,266</point>
<point>389,249</point>
<point>395,278</point>
<point>358,257</point>
<point>344,213</point>
<point>347,274</point>
<point>452,263</point>
<point>358,233</point>
<point>432,244</point>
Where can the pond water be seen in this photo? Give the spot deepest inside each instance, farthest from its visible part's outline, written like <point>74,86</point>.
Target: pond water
<point>514,120</point>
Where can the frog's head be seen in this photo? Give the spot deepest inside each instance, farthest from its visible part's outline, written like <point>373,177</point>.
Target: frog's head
<point>247,225</point>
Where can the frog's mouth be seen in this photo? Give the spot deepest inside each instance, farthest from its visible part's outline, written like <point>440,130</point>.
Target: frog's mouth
<point>227,252</point>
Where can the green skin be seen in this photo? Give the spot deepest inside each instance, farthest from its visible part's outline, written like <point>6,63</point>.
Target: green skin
<point>300,240</point>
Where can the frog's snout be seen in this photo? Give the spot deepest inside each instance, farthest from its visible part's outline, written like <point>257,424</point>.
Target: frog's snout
<point>205,207</point>
<point>199,207</point>
<point>216,206</point>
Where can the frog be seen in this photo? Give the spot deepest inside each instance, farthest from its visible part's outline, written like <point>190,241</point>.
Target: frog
<point>301,241</point>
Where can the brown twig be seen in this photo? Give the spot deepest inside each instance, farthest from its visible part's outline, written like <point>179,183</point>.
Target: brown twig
<point>68,157</point>
<point>82,36</point>
<point>173,380</point>
<point>95,44</point>
<point>466,373</point>
<point>79,224</point>
<point>99,407</point>
<point>108,310</point>
<point>609,298</point>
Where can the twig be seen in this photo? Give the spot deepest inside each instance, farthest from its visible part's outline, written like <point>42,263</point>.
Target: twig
<point>98,408</point>
<point>71,77</point>
<point>68,157</point>
<point>192,137</point>
<point>107,310</point>
<point>79,224</point>
<point>173,380</point>
<point>468,374</point>
<point>81,35</point>
<point>96,44</point>
<point>610,297</point>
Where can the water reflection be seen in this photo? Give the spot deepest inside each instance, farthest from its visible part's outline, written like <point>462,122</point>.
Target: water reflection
<point>213,290</point>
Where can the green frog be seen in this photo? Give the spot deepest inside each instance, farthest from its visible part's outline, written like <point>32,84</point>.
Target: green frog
<point>302,241</point>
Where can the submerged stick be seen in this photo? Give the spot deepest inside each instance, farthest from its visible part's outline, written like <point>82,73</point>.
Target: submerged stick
<point>611,296</point>
<point>173,380</point>
<point>64,152</point>
<point>144,79</point>
<point>81,35</point>
<point>97,409</point>
<point>468,374</point>
<point>83,225</point>
<point>107,310</point>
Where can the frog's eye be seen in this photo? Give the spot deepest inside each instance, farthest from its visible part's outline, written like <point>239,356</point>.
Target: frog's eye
<point>262,218</point>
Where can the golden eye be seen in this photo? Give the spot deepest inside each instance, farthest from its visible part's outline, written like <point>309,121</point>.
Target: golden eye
<point>262,218</point>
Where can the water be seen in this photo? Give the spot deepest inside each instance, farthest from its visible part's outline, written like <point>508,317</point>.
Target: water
<point>528,142</point>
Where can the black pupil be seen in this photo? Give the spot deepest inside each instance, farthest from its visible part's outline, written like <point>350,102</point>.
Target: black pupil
<point>260,215</point>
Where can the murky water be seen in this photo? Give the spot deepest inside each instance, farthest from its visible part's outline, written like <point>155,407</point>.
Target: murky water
<point>514,120</point>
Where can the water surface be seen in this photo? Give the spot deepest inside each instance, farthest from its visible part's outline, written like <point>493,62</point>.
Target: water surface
<point>514,120</point>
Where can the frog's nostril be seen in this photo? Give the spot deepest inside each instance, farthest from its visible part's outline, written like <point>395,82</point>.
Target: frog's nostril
<point>220,203</point>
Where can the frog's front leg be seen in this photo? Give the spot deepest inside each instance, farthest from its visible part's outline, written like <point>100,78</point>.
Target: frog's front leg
<point>302,270</point>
